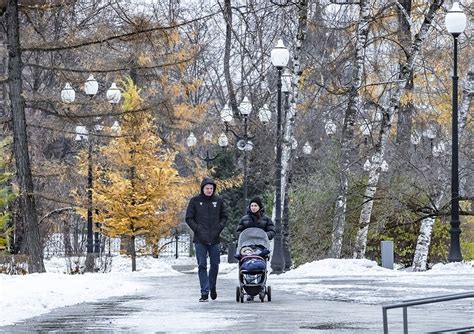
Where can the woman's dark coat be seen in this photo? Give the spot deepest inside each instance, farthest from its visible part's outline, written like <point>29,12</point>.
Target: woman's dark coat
<point>262,221</point>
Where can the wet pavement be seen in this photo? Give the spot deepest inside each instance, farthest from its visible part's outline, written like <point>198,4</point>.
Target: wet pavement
<point>171,305</point>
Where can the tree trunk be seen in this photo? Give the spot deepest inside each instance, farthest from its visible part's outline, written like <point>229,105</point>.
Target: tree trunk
<point>228,46</point>
<point>465,105</point>
<point>407,109</point>
<point>20,143</point>
<point>424,237</point>
<point>289,125</point>
<point>366,212</point>
<point>76,249</point>
<point>155,250</point>
<point>285,170</point>
<point>67,238</point>
<point>423,244</point>
<point>466,100</point>
<point>90,263</point>
<point>133,253</point>
<point>347,144</point>
<point>286,229</point>
<point>125,244</point>
<point>19,244</point>
<point>388,113</point>
<point>404,126</point>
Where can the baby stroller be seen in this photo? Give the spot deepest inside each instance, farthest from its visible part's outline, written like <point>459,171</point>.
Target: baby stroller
<point>253,252</point>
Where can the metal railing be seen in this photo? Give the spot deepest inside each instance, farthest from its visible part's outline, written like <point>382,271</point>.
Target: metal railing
<point>420,301</point>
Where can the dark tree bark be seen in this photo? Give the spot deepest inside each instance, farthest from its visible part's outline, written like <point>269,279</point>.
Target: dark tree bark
<point>133,253</point>
<point>228,46</point>
<point>407,109</point>
<point>20,143</point>
<point>67,238</point>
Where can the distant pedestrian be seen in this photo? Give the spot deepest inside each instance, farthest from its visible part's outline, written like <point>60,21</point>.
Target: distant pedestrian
<point>256,217</point>
<point>206,216</point>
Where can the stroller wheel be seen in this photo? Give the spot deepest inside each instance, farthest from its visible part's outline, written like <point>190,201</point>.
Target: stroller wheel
<point>241,297</point>
<point>261,295</point>
<point>269,293</point>
<point>237,294</point>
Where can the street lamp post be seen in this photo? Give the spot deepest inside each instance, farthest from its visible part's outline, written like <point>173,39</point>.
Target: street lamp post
<point>243,143</point>
<point>68,95</point>
<point>91,87</point>
<point>191,141</point>
<point>279,58</point>
<point>455,22</point>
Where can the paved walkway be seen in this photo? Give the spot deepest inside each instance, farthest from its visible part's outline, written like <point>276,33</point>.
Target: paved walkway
<point>171,306</point>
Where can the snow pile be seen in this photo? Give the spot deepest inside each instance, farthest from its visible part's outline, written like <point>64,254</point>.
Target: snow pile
<point>53,289</point>
<point>363,281</point>
<point>145,265</point>
<point>120,264</point>
<point>330,267</point>
<point>35,294</point>
<point>453,267</point>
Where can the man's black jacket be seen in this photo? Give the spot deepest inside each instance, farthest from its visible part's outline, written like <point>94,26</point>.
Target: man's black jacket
<point>206,216</point>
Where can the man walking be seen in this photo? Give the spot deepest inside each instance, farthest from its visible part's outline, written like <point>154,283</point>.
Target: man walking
<point>206,216</point>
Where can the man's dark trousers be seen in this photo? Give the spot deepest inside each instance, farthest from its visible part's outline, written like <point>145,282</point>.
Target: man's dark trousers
<point>207,282</point>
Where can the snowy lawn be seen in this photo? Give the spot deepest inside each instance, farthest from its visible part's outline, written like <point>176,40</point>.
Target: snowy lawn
<point>363,281</point>
<point>31,295</point>
<point>355,280</point>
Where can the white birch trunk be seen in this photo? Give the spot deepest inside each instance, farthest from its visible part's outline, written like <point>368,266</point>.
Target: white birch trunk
<point>339,220</point>
<point>423,244</point>
<point>424,238</point>
<point>387,118</point>
<point>465,105</point>
<point>467,95</point>
<point>288,121</point>
<point>366,212</point>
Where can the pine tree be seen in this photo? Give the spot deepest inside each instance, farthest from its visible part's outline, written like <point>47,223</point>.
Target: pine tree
<point>138,191</point>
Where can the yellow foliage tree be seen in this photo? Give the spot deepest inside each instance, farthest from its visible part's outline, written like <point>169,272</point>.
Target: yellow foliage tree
<point>138,192</point>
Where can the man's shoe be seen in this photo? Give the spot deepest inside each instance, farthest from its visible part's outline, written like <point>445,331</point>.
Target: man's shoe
<point>204,298</point>
<point>213,294</point>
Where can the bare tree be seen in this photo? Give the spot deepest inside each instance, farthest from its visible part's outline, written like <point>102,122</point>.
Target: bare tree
<point>20,142</point>
<point>347,144</point>
<point>382,140</point>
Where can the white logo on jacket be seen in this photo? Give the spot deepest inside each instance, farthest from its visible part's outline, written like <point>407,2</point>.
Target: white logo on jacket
<point>214,203</point>
<point>200,203</point>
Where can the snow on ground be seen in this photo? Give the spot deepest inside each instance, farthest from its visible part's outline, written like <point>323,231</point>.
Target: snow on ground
<point>346,279</point>
<point>363,281</point>
<point>44,292</point>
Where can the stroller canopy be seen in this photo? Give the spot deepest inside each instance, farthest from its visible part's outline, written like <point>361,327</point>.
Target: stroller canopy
<point>253,236</point>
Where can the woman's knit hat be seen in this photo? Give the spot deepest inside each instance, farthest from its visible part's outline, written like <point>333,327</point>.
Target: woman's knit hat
<point>258,201</point>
